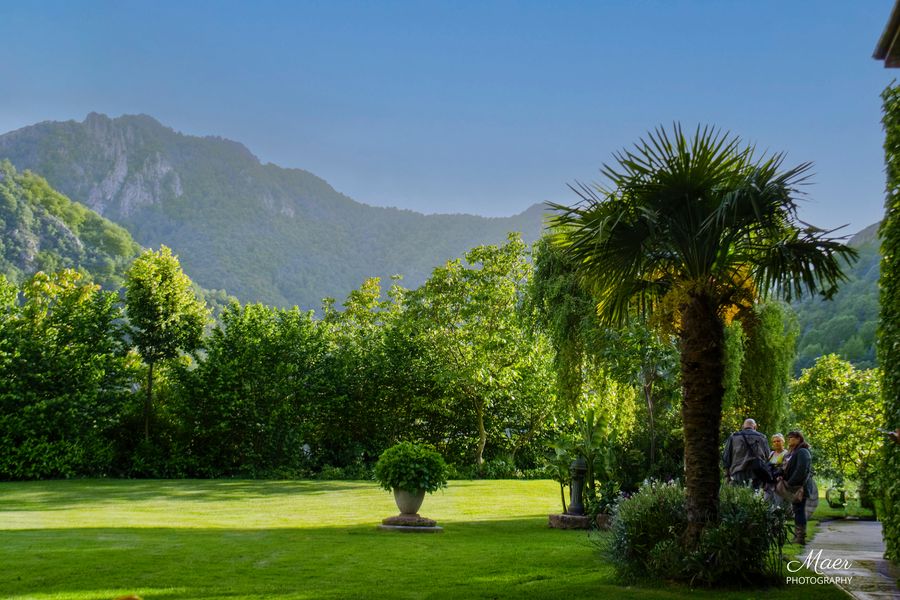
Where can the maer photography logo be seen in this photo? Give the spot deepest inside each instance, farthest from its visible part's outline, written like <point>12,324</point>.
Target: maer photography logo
<point>827,569</point>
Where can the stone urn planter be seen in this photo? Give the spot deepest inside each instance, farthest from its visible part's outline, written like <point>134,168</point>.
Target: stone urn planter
<point>409,502</point>
<point>410,471</point>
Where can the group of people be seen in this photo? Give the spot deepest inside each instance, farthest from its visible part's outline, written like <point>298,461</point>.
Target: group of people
<point>784,473</point>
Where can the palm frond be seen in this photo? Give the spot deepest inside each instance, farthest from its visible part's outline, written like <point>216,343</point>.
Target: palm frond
<point>677,209</point>
<point>805,261</point>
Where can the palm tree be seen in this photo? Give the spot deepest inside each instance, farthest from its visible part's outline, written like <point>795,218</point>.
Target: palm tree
<point>689,231</point>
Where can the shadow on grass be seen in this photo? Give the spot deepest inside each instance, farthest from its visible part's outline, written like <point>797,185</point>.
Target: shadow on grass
<point>62,495</point>
<point>494,559</point>
<point>513,558</point>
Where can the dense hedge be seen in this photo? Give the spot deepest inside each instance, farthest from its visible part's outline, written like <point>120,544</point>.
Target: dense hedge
<point>275,392</point>
<point>889,334</point>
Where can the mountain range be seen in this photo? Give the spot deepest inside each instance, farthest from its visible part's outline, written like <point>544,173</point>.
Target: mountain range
<point>259,231</point>
<point>279,236</point>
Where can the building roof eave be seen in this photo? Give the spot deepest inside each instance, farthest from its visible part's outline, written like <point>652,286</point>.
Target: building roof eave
<point>888,49</point>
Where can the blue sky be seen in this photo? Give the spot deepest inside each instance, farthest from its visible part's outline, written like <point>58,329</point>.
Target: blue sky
<point>480,107</point>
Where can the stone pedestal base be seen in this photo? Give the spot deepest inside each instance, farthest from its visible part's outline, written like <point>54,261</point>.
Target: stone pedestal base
<point>410,524</point>
<point>404,520</point>
<point>570,522</point>
<point>409,529</point>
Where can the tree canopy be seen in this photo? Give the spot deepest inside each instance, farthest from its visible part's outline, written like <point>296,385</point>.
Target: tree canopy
<point>837,408</point>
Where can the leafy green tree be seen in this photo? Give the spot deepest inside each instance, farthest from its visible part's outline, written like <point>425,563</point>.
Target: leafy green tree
<point>65,372</point>
<point>638,356</point>
<point>563,309</point>
<point>837,407</point>
<point>465,318</point>
<point>731,380</point>
<point>527,411</point>
<point>165,316</point>
<point>690,230</point>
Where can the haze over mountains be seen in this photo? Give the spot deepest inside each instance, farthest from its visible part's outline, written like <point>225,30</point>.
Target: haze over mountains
<point>259,231</point>
<point>279,236</point>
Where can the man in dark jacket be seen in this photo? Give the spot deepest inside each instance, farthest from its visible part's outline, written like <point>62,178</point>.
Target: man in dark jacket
<point>746,456</point>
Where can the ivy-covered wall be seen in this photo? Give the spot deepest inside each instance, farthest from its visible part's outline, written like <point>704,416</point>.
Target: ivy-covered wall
<point>889,333</point>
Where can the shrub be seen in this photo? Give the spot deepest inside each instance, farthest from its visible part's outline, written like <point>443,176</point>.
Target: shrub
<point>651,517</point>
<point>534,474</point>
<point>745,546</point>
<point>461,471</point>
<point>355,472</point>
<point>411,467</point>
<point>499,468</point>
<point>604,503</point>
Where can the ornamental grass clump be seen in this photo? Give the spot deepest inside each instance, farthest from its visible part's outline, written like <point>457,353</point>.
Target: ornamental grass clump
<point>743,547</point>
<point>411,467</point>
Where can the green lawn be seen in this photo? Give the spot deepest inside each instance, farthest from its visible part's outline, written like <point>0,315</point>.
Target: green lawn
<point>94,540</point>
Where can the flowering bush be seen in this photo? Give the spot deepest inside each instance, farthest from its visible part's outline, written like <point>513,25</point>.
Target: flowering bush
<point>744,546</point>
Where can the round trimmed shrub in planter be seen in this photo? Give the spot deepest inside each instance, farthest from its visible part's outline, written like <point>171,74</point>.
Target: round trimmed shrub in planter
<point>411,468</point>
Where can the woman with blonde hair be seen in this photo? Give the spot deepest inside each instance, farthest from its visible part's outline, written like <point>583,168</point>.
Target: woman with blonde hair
<point>776,464</point>
<point>778,452</point>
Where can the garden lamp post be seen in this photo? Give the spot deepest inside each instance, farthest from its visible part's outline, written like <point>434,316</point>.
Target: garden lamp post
<point>577,470</point>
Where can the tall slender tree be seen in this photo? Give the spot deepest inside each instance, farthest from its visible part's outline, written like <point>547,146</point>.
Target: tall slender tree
<point>691,229</point>
<point>770,348</point>
<point>165,316</point>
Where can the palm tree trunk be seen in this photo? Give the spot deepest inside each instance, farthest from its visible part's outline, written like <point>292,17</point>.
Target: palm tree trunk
<point>702,368</point>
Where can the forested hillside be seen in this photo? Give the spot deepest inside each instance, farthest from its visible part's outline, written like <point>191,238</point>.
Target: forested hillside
<point>41,229</point>
<point>275,235</point>
<point>845,325</point>
<point>261,232</point>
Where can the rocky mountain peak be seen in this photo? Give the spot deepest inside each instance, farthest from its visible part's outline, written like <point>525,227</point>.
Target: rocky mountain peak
<point>261,232</point>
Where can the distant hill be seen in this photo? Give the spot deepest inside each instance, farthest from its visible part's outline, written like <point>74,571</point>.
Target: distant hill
<point>260,231</point>
<point>847,324</point>
<point>41,229</point>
